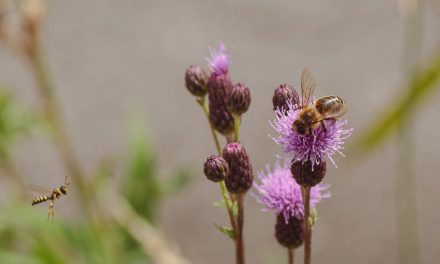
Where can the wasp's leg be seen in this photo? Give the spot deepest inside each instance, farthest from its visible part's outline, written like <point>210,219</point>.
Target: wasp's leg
<point>50,212</point>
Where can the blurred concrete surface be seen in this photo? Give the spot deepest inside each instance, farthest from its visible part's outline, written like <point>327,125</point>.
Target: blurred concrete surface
<point>114,58</point>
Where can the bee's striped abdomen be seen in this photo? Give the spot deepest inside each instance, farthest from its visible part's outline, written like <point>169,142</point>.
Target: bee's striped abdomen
<point>40,199</point>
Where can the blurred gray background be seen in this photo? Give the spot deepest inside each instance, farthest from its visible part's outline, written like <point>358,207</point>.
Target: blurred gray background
<point>113,59</point>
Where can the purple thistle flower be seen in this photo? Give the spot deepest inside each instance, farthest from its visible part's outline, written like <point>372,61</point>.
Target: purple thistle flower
<point>279,192</point>
<point>219,60</point>
<point>314,147</point>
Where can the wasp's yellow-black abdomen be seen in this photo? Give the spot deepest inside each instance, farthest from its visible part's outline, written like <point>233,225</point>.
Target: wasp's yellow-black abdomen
<point>39,199</point>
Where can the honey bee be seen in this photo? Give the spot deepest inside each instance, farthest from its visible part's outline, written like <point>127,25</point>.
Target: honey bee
<point>51,195</point>
<point>312,115</point>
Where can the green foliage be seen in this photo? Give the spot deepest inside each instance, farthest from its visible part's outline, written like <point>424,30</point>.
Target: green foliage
<point>143,188</point>
<point>14,121</point>
<point>30,235</point>
<point>27,237</point>
<point>313,216</point>
<point>220,203</point>
<point>102,175</point>
<point>423,83</point>
<point>179,180</point>
<point>227,231</point>
<point>27,232</point>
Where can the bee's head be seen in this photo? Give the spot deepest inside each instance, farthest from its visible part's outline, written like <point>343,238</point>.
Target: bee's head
<point>63,189</point>
<point>300,127</point>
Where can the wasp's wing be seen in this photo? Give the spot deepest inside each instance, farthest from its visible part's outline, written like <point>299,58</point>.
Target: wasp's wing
<point>308,85</point>
<point>38,189</point>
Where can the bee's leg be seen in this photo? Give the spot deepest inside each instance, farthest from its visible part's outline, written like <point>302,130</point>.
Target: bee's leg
<point>323,127</point>
<point>50,213</point>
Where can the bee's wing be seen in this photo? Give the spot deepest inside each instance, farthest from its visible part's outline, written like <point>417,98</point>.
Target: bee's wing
<point>308,85</point>
<point>38,189</point>
<point>333,114</point>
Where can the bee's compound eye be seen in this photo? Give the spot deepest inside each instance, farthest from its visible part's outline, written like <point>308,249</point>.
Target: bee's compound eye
<point>63,189</point>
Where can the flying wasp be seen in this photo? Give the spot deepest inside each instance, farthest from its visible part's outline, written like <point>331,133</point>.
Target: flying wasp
<point>51,195</point>
<point>324,108</point>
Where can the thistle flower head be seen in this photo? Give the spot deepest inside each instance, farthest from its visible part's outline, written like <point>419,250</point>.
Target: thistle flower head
<point>283,94</point>
<point>240,176</point>
<point>219,60</point>
<point>196,80</point>
<point>219,89</point>
<point>314,147</point>
<point>216,168</point>
<point>306,175</point>
<point>289,232</point>
<point>239,100</point>
<point>279,192</point>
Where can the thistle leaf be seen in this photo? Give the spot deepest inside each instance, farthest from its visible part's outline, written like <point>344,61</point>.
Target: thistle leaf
<point>229,232</point>
<point>313,217</point>
<point>220,203</point>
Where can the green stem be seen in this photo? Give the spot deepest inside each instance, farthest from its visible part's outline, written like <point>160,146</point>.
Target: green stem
<point>224,192</point>
<point>236,126</point>
<point>61,140</point>
<point>239,243</point>
<point>307,227</point>
<point>226,199</point>
<point>202,103</point>
<point>406,199</point>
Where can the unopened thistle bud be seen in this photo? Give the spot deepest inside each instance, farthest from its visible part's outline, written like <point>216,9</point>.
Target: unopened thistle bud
<point>216,168</point>
<point>306,174</point>
<point>284,94</point>
<point>289,233</point>
<point>219,89</point>
<point>196,80</point>
<point>239,99</point>
<point>240,175</point>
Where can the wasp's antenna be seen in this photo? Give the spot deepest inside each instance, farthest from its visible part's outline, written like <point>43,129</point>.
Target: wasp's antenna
<point>66,182</point>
